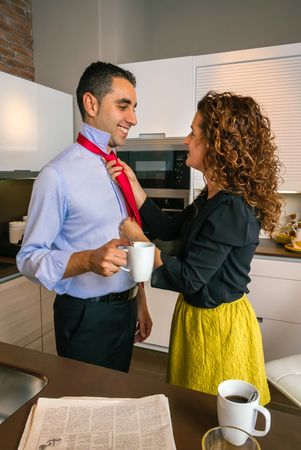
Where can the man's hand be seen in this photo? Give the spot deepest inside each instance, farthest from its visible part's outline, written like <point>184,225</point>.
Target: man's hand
<point>144,321</point>
<point>105,260</point>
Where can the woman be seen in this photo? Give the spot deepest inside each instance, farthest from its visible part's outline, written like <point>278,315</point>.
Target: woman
<point>215,334</point>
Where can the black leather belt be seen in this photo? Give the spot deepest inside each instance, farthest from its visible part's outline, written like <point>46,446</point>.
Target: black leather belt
<point>114,296</point>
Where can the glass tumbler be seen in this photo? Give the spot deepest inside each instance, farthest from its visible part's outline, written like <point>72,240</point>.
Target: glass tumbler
<point>228,438</point>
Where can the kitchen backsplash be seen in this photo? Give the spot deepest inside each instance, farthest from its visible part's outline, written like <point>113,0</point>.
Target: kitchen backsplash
<point>292,204</point>
<point>14,201</point>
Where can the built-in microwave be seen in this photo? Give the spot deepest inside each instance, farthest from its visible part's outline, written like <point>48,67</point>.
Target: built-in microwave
<point>160,166</point>
<point>158,163</point>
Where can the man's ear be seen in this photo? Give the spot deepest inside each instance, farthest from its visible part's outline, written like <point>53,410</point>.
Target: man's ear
<point>91,104</point>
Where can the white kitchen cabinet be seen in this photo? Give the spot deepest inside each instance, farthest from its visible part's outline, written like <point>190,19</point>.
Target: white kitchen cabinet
<point>161,305</point>
<point>26,315</point>
<point>20,312</point>
<point>36,123</point>
<point>165,99</point>
<point>275,295</point>
<point>271,75</point>
<point>197,184</point>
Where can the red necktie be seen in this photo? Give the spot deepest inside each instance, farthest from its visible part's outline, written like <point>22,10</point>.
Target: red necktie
<point>122,178</point>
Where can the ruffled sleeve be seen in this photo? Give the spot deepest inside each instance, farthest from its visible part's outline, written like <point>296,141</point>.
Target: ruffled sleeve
<point>232,223</point>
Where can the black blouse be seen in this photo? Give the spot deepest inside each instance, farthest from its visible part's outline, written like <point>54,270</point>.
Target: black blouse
<point>218,238</point>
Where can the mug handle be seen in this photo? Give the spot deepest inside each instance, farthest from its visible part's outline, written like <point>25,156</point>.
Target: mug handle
<point>266,413</point>
<point>123,267</point>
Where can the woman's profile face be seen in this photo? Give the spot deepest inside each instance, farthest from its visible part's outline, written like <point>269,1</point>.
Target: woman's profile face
<point>196,143</point>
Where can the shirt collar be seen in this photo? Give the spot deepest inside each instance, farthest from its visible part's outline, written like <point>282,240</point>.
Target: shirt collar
<point>98,137</point>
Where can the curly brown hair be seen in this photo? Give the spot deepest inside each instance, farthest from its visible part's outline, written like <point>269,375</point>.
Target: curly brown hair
<point>242,155</point>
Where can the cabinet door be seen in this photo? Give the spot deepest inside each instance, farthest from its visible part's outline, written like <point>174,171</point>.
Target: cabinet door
<point>35,345</point>
<point>20,316</point>
<point>280,339</point>
<point>275,289</point>
<point>276,298</point>
<point>49,342</point>
<point>164,96</point>
<point>271,75</point>
<point>26,134</point>
<point>161,304</point>
<point>47,299</point>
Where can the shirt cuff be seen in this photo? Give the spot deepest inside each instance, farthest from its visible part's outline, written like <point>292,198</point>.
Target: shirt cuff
<point>52,269</point>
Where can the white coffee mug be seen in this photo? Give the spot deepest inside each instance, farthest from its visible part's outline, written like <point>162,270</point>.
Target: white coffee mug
<point>140,260</point>
<point>237,406</point>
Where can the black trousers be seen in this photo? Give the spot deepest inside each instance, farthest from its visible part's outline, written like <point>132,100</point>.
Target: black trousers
<point>97,333</point>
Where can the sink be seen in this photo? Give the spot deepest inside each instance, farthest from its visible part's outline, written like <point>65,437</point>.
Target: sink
<point>17,386</point>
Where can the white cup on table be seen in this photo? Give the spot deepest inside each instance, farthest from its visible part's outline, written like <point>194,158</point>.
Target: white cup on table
<point>140,260</point>
<point>238,406</point>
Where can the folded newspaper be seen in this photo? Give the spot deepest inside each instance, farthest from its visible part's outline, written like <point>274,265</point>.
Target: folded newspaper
<point>94,423</point>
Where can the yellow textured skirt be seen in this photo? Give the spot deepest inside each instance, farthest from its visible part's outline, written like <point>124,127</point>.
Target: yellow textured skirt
<point>208,346</point>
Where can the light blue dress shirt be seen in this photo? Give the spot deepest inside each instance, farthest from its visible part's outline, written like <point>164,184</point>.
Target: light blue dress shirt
<point>74,206</point>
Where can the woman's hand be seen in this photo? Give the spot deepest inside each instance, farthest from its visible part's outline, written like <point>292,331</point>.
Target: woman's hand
<point>144,321</point>
<point>116,167</point>
<point>131,230</point>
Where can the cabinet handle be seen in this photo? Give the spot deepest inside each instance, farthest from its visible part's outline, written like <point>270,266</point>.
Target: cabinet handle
<point>259,319</point>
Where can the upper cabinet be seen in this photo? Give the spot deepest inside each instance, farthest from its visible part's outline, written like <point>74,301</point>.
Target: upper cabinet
<point>272,76</point>
<point>36,123</point>
<point>165,101</point>
<point>168,91</point>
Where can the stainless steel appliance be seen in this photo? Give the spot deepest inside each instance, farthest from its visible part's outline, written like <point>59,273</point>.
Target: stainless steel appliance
<point>161,169</point>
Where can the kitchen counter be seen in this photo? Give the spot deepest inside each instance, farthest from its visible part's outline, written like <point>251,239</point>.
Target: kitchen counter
<point>266,247</point>
<point>192,412</point>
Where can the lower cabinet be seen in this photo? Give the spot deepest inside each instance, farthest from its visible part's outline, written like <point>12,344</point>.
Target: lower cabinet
<point>26,317</point>
<point>275,295</point>
<point>20,312</point>
<point>161,304</point>
<point>36,345</point>
<point>48,338</point>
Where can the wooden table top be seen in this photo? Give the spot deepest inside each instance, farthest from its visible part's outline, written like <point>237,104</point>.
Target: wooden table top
<point>192,413</point>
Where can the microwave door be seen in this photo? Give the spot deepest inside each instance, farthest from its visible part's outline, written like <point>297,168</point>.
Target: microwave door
<point>153,169</point>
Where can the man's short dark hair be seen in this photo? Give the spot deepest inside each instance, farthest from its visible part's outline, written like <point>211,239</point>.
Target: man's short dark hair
<point>97,79</point>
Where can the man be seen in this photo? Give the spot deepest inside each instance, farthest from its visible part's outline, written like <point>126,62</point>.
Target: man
<point>72,235</point>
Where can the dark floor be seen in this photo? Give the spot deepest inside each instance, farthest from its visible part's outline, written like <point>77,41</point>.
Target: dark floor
<point>155,363</point>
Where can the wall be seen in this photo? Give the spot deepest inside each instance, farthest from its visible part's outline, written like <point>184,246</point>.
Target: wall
<point>69,34</point>
<point>197,27</point>
<point>14,201</point>
<point>66,40</point>
<point>126,30</point>
<point>16,46</point>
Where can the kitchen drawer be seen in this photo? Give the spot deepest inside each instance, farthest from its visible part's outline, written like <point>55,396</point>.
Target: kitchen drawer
<point>20,314</point>
<point>276,269</point>
<point>280,339</point>
<point>276,298</point>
